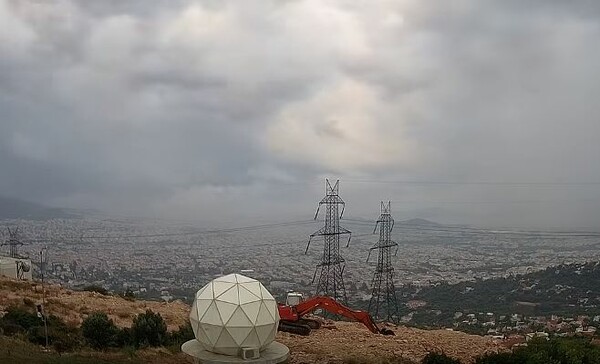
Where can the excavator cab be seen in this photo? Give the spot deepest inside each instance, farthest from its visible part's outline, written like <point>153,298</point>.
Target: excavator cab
<point>294,298</point>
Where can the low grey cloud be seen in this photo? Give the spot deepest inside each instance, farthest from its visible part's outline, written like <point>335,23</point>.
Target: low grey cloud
<point>238,110</point>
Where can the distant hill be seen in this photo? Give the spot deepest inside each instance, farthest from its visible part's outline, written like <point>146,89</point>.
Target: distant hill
<point>12,208</point>
<point>568,289</point>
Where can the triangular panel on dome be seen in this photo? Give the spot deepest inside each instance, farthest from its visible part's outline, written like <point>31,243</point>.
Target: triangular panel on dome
<point>230,278</point>
<point>239,334</point>
<point>195,328</point>
<point>264,317</point>
<point>194,312</point>
<point>226,309</point>
<point>251,310</point>
<point>220,287</point>
<point>225,340</point>
<point>202,306</point>
<point>212,315</point>
<point>247,296</point>
<point>212,332</point>
<point>245,289</point>
<point>201,290</point>
<point>239,318</point>
<point>201,335</point>
<point>253,287</point>
<point>271,305</point>
<point>231,295</point>
<point>252,340</point>
<point>244,279</point>
<point>264,292</point>
<point>266,333</point>
<point>205,293</point>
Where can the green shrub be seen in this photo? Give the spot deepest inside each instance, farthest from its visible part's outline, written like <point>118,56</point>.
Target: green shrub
<point>129,295</point>
<point>20,316</point>
<point>554,351</point>
<point>97,289</point>
<point>99,331</point>
<point>123,338</point>
<point>149,329</point>
<point>60,336</point>
<point>182,335</point>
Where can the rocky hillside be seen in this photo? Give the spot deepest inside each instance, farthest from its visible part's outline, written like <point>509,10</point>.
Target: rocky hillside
<point>337,342</point>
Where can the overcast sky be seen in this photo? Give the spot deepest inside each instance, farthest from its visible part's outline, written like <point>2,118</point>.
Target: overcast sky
<point>476,112</point>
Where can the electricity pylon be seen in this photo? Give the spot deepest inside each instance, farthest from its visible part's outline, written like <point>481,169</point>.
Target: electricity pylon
<point>384,304</point>
<point>331,279</point>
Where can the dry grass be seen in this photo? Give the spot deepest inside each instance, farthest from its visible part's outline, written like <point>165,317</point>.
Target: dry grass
<point>75,306</point>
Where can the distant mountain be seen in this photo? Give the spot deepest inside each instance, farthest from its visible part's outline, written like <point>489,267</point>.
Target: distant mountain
<point>12,208</point>
<point>419,221</point>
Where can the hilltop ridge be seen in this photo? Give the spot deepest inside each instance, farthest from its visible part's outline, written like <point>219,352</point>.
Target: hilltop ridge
<point>337,342</point>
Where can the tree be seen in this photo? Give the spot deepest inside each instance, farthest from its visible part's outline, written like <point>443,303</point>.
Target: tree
<point>149,329</point>
<point>99,331</point>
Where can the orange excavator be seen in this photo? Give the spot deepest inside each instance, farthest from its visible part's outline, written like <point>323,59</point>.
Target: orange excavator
<point>294,320</point>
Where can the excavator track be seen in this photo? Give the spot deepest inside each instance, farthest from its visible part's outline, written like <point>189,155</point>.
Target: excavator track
<point>294,328</point>
<point>313,324</point>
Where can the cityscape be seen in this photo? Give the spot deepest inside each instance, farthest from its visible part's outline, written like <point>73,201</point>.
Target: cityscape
<point>166,260</point>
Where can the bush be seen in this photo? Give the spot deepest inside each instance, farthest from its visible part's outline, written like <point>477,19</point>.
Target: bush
<point>149,329</point>
<point>123,337</point>
<point>99,331</point>
<point>182,335</point>
<point>60,336</point>
<point>555,351</point>
<point>129,295</point>
<point>19,316</point>
<point>435,358</point>
<point>97,289</point>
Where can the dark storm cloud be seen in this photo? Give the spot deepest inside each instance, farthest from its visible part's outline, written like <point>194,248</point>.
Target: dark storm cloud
<point>186,108</point>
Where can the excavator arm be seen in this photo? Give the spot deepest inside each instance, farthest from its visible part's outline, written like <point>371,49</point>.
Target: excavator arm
<point>333,306</point>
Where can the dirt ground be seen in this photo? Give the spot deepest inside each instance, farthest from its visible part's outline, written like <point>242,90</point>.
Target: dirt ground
<point>348,341</point>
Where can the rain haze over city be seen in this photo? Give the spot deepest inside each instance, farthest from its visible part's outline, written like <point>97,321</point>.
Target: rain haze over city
<point>155,145</point>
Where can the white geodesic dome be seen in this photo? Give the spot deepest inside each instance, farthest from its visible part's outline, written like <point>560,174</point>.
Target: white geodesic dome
<point>234,312</point>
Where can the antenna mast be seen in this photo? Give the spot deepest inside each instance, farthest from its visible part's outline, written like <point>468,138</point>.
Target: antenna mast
<point>384,304</point>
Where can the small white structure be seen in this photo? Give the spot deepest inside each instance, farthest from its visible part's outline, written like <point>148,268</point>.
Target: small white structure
<point>16,268</point>
<point>234,315</point>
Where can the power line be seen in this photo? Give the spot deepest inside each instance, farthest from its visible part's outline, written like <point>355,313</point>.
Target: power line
<point>477,183</point>
<point>476,231</point>
<point>201,232</point>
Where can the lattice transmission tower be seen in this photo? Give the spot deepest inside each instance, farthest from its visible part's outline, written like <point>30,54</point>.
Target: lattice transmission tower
<point>331,275</point>
<point>13,242</point>
<point>384,304</point>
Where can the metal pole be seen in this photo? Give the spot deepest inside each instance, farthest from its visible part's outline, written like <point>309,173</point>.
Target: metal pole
<point>42,269</point>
